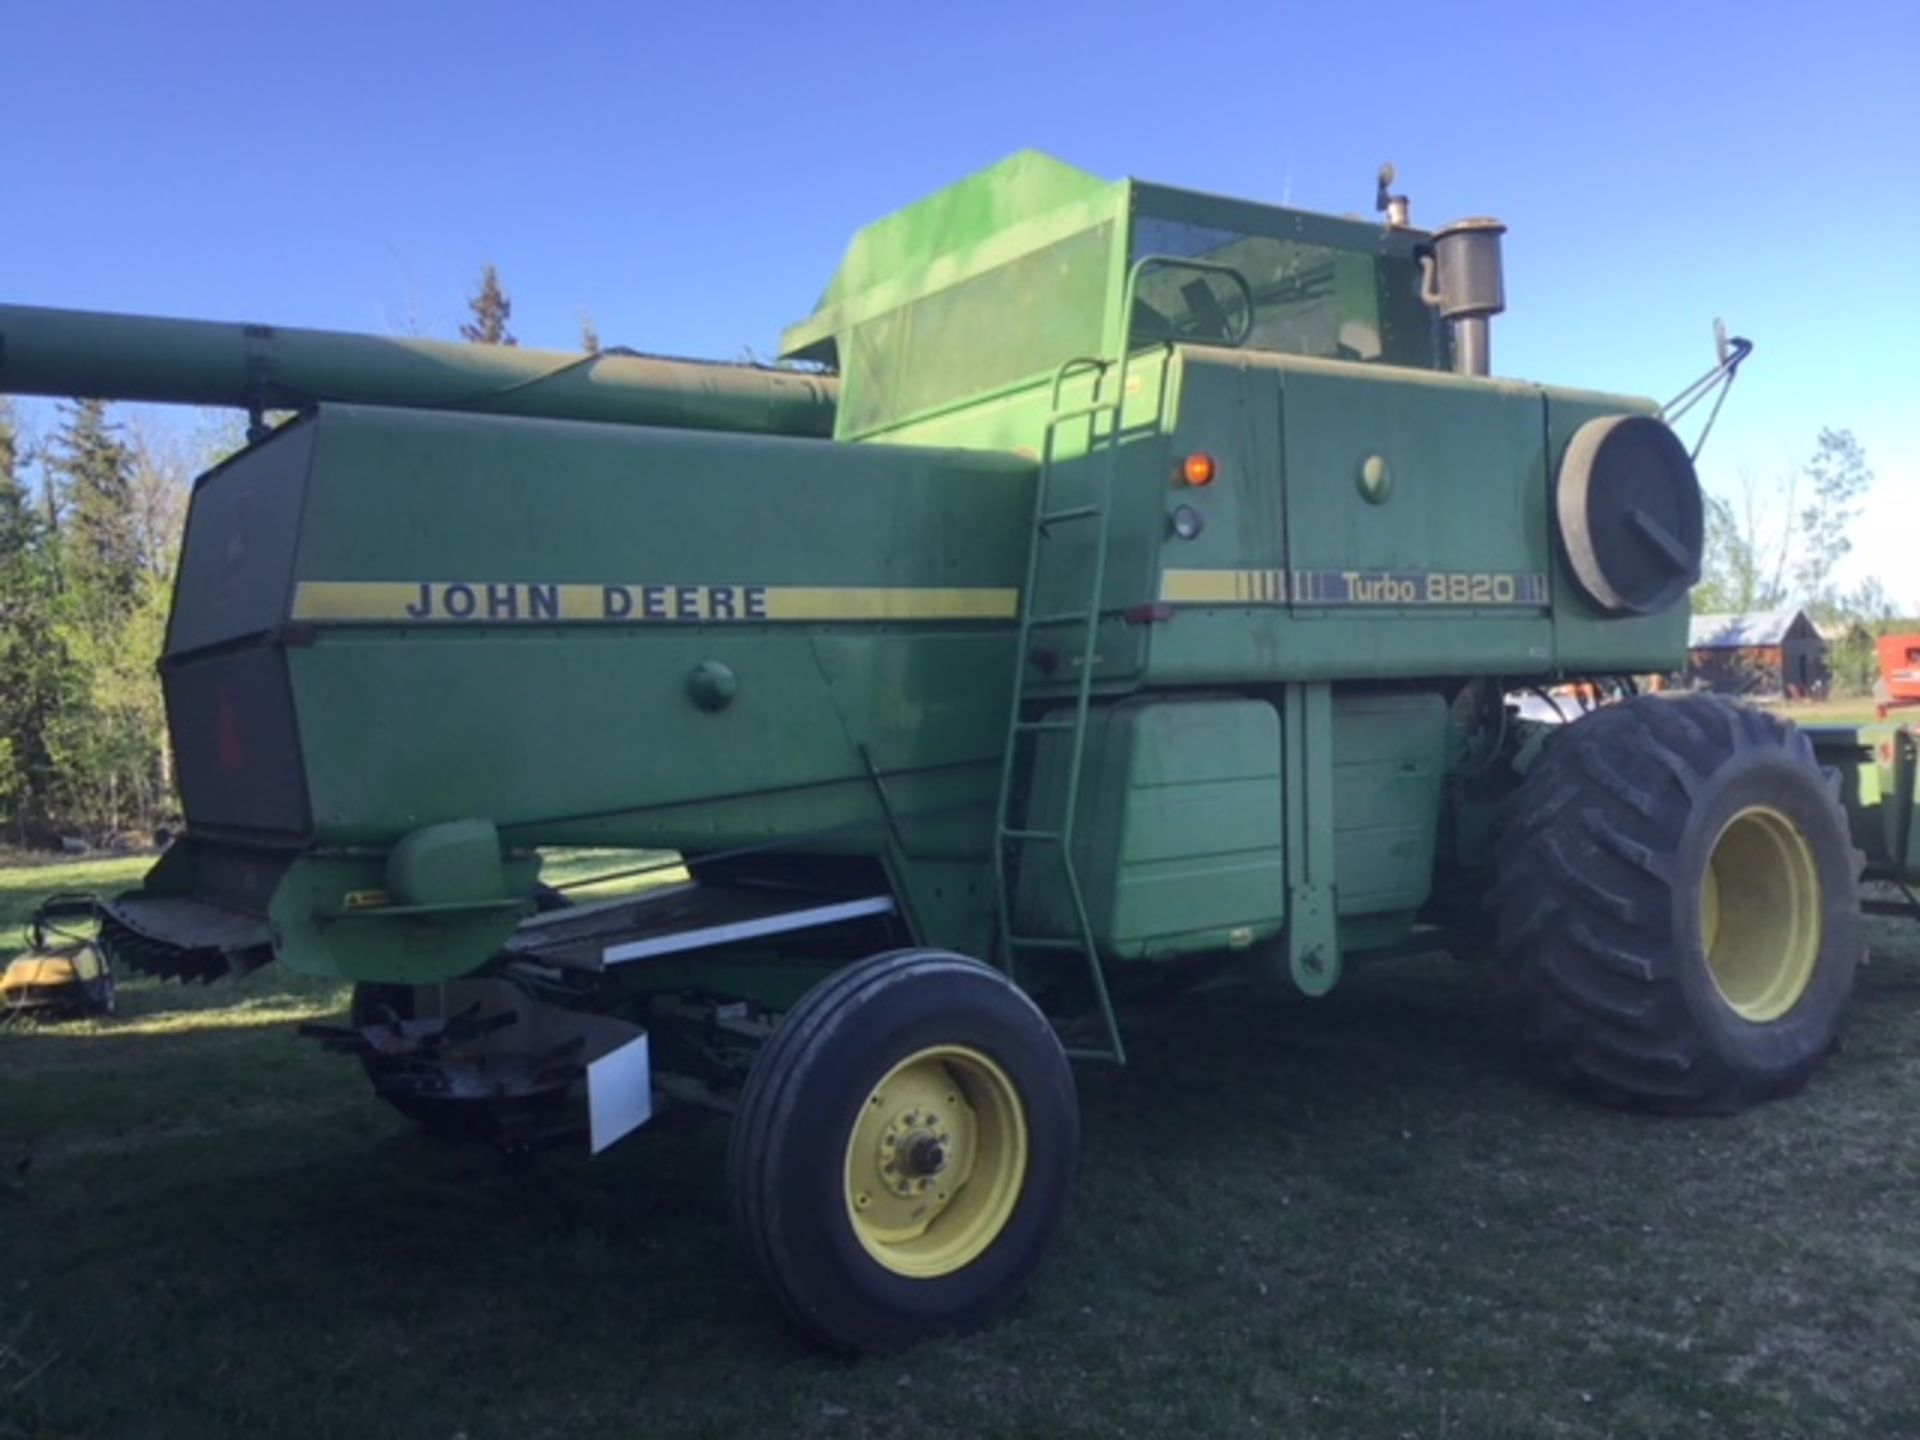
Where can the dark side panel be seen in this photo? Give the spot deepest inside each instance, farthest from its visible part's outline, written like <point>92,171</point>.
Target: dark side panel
<point>235,741</point>
<point>237,560</point>
<point>229,703</point>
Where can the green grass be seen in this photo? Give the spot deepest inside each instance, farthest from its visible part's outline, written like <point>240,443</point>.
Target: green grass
<point>1858,710</point>
<point>576,871</point>
<point>1353,1217</point>
<point>24,886</point>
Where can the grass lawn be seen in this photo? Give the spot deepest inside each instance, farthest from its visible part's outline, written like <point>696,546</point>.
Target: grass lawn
<point>1350,1217</point>
<point>1857,710</point>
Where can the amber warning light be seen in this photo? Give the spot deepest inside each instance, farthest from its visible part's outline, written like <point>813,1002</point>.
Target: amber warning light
<point>1197,469</point>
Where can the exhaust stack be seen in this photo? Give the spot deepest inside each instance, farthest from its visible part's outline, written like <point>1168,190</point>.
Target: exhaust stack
<point>1462,278</point>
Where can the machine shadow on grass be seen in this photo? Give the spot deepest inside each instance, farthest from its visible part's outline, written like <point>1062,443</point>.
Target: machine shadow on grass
<point>1357,1215</point>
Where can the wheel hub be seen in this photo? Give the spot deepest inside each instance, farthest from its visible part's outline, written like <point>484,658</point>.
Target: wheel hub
<point>935,1161</point>
<point>916,1149</point>
<point>1760,914</point>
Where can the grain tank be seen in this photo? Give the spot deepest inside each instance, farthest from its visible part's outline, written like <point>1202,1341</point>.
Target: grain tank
<point>1146,613</point>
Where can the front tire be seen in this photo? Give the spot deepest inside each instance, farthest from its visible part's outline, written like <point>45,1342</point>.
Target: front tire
<point>904,1150</point>
<point>1678,906</point>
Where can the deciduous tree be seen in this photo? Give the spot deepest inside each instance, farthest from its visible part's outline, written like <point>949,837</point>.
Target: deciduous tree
<point>1769,545</point>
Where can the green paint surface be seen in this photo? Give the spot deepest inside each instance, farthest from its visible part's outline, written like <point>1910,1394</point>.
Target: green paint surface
<point>625,634</point>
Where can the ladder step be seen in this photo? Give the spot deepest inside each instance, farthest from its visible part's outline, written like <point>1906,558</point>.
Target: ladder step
<point>1060,617</point>
<point>1053,835</point>
<point>1071,512</point>
<point>1082,1052</point>
<point>1035,942</point>
<point>1056,727</point>
<point>1081,412</point>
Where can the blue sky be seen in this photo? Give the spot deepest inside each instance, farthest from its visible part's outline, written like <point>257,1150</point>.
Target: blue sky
<point>688,173</point>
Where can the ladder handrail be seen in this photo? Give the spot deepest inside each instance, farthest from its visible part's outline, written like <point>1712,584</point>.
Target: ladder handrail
<point>1007,835</point>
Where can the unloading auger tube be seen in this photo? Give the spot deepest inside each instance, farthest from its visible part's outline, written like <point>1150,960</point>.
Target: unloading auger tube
<point>266,367</point>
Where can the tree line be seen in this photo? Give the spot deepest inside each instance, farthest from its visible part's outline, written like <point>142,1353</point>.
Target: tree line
<point>90,525</point>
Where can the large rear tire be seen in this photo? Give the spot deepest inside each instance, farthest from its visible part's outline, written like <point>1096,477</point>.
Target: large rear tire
<point>904,1150</point>
<point>1678,906</point>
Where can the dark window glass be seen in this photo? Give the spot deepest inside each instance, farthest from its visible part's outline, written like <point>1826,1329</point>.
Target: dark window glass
<point>1308,299</point>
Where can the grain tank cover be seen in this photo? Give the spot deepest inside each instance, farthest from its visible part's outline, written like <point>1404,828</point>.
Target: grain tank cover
<point>952,234</point>
<point>991,280</point>
<point>997,281</point>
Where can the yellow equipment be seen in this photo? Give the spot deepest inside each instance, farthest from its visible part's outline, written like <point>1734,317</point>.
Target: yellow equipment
<point>62,974</point>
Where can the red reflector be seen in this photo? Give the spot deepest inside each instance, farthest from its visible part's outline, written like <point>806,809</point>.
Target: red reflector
<point>228,752</point>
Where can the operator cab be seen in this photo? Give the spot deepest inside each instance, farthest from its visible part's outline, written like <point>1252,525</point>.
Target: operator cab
<point>1327,288</point>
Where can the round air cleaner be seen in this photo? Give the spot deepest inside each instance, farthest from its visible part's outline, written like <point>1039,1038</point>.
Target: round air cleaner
<point>1629,514</point>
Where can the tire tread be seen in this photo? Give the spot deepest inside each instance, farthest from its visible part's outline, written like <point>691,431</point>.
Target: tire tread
<point>1582,895</point>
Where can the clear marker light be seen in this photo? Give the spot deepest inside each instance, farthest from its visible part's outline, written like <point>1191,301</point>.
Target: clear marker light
<point>1187,522</point>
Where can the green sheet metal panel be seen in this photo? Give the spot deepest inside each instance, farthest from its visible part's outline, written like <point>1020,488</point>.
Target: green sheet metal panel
<point>1875,766</point>
<point>1009,323</point>
<point>985,284</point>
<point>1141,486</point>
<point>1226,406</point>
<point>1179,840</point>
<point>943,238</point>
<point>1296,575</point>
<point>502,619</point>
<point>1467,494</point>
<point>1389,758</point>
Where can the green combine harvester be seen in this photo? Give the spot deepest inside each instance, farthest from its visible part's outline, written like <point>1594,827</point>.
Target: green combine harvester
<point>1122,589</point>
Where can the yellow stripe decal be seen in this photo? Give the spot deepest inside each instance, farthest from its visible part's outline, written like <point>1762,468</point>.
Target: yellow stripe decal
<point>1223,587</point>
<point>1468,589</point>
<point>409,602</point>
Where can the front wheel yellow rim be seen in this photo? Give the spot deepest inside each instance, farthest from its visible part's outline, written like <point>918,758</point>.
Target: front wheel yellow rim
<point>935,1161</point>
<point>1760,914</point>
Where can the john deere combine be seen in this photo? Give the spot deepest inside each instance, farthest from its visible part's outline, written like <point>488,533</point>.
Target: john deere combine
<point>1123,587</point>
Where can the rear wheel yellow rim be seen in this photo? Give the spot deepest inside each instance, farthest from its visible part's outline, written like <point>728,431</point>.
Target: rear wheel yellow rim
<point>935,1162</point>
<point>1760,914</point>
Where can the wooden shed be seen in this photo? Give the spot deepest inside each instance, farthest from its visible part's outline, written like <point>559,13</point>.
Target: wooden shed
<point>1766,652</point>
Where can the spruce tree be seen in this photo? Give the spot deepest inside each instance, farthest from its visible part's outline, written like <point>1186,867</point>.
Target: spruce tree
<point>16,538</point>
<point>491,310</point>
<point>33,657</point>
<point>18,520</point>
<point>93,467</point>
